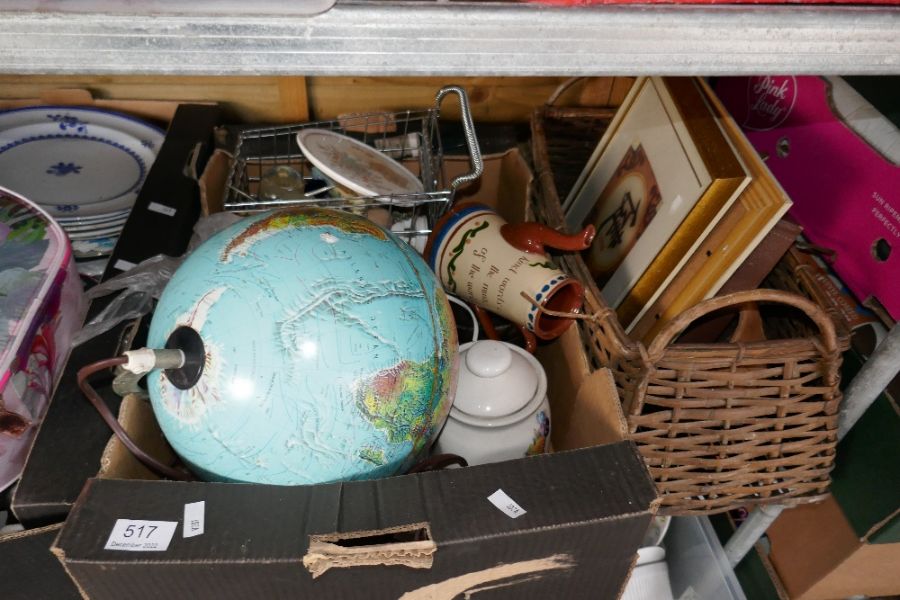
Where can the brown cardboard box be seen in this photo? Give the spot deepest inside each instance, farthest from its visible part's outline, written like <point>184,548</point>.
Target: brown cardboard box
<point>428,535</point>
<point>849,544</point>
<point>505,184</point>
<point>818,556</point>
<point>584,403</point>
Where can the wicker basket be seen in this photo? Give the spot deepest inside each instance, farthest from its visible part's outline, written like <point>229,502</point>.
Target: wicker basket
<point>719,425</point>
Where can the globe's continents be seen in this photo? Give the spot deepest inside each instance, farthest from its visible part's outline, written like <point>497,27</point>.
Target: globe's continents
<point>329,351</point>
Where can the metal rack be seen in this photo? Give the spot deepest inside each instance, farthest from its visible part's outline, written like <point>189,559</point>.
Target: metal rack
<point>411,136</point>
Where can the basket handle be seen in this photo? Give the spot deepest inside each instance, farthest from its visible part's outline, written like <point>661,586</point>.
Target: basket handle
<point>677,325</point>
<point>468,131</point>
<point>562,88</point>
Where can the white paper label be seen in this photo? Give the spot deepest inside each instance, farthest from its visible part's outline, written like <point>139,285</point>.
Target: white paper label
<point>141,536</point>
<point>194,515</point>
<point>123,265</point>
<point>162,209</point>
<point>506,504</point>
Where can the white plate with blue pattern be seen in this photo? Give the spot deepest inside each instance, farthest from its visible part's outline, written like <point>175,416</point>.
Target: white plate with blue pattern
<point>90,227</point>
<point>99,233</point>
<point>80,119</point>
<point>77,221</point>
<point>74,173</point>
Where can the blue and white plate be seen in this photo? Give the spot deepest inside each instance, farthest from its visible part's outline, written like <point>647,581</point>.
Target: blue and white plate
<point>93,227</point>
<point>80,120</point>
<point>97,233</point>
<point>70,173</point>
<point>78,221</point>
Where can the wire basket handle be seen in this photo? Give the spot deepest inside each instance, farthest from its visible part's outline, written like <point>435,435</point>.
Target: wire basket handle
<point>468,131</point>
<point>674,328</point>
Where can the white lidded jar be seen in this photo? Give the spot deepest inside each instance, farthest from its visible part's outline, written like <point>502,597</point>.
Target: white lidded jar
<point>500,411</point>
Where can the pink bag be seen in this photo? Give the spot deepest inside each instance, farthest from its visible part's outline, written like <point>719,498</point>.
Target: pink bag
<point>41,306</point>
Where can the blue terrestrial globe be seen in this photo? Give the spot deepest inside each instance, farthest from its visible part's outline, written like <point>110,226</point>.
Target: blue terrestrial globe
<point>328,352</point>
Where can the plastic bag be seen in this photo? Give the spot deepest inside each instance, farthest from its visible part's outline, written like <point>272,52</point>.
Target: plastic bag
<point>141,285</point>
<point>138,288</point>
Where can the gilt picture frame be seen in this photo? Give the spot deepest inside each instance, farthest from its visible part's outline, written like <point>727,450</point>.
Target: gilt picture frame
<point>659,179</point>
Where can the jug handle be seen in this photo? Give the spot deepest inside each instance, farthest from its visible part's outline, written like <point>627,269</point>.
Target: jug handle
<point>534,237</point>
<point>487,326</point>
<point>490,332</point>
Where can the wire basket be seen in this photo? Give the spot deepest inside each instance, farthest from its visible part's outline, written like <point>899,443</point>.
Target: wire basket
<point>411,137</point>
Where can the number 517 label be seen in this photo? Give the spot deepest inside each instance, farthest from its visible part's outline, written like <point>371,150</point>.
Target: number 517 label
<point>141,536</point>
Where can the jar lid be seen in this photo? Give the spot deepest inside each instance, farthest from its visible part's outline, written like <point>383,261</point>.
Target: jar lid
<point>495,379</point>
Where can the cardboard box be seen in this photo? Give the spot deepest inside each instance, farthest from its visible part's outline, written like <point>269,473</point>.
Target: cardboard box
<point>584,403</point>
<point>850,543</point>
<point>258,539</point>
<point>30,571</point>
<point>828,146</point>
<point>358,539</point>
<point>428,535</point>
<point>73,439</point>
<point>817,556</point>
<point>505,185</point>
<point>69,443</point>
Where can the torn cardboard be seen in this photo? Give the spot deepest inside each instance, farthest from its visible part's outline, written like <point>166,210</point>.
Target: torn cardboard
<point>326,551</point>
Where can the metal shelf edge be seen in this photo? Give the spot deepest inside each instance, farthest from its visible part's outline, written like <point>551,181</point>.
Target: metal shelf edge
<point>439,38</point>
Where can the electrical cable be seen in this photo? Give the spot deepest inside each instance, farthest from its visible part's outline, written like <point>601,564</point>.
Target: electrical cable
<point>151,463</point>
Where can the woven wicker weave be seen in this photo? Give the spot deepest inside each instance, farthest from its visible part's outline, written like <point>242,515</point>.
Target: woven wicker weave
<point>719,425</point>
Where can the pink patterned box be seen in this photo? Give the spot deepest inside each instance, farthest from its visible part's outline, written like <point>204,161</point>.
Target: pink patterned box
<point>41,306</point>
<point>837,159</point>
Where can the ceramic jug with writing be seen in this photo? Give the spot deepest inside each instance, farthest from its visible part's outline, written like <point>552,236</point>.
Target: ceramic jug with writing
<point>480,257</point>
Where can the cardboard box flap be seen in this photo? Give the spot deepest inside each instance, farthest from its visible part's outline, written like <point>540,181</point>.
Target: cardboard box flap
<point>136,418</point>
<point>585,405</point>
<point>29,569</point>
<point>556,491</point>
<point>501,187</point>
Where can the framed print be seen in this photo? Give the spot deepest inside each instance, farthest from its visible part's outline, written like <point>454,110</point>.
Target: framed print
<point>734,237</point>
<point>660,178</point>
<point>626,206</point>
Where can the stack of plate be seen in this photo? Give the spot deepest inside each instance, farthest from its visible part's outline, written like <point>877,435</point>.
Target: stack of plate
<point>84,166</point>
